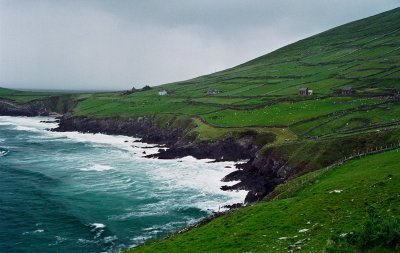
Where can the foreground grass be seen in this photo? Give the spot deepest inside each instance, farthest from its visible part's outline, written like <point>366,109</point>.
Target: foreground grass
<point>340,200</point>
<point>376,235</point>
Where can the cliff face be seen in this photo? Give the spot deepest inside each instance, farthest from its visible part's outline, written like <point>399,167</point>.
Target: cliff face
<point>34,108</point>
<point>259,175</point>
<point>141,127</point>
<point>39,107</point>
<point>174,137</point>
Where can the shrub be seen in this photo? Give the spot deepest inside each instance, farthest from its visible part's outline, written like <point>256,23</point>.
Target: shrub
<point>376,235</point>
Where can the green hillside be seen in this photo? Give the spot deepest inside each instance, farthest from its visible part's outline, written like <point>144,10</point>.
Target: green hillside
<point>23,96</point>
<point>264,92</point>
<point>315,131</point>
<point>311,132</point>
<point>262,95</point>
<point>338,202</point>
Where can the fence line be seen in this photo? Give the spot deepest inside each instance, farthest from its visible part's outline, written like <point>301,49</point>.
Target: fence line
<point>295,185</point>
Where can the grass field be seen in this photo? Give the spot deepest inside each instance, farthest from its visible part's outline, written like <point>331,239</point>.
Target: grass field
<point>24,96</point>
<point>263,92</point>
<point>338,201</point>
<point>262,95</point>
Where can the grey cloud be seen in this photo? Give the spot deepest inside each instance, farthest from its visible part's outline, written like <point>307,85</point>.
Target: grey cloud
<point>115,44</point>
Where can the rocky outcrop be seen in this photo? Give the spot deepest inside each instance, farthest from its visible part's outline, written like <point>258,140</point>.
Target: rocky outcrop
<point>178,144</point>
<point>259,175</point>
<point>142,127</point>
<point>33,108</point>
<point>223,150</point>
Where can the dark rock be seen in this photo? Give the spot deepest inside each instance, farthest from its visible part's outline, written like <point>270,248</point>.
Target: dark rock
<point>142,127</point>
<point>224,150</point>
<point>260,175</point>
<point>49,121</point>
<point>233,206</point>
<point>33,108</point>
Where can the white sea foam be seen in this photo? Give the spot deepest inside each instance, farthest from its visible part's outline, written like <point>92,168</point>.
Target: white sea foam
<point>97,225</point>
<point>98,228</point>
<point>199,175</point>
<point>4,152</point>
<point>139,239</point>
<point>102,140</point>
<point>169,187</point>
<point>97,167</point>
<point>109,239</point>
<point>40,124</point>
<point>191,173</point>
<point>34,232</point>
<point>25,128</point>
<point>28,123</point>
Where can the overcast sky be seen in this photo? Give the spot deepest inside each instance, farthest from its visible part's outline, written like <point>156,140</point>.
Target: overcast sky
<point>71,44</point>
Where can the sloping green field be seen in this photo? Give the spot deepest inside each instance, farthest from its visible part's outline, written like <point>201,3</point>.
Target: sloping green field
<point>337,202</point>
<point>364,54</point>
<point>264,92</point>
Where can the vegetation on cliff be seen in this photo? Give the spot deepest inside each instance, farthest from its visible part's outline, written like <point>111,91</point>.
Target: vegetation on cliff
<point>338,202</point>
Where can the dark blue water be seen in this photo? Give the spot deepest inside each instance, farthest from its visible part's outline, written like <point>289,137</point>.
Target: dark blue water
<point>70,192</point>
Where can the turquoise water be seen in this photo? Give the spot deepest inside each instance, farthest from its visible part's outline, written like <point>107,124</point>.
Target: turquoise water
<point>72,192</point>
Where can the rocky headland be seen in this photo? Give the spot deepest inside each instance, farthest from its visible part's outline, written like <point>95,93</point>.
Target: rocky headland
<point>259,174</point>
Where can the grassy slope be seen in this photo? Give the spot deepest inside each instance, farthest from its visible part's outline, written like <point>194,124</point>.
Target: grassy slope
<point>25,96</point>
<point>263,92</point>
<point>370,185</point>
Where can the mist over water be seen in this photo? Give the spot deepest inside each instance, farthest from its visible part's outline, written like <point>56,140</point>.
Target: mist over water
<point>73,192</point>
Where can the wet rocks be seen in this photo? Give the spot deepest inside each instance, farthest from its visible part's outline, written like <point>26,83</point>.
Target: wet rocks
<point>259,175</point>
<point>34,108</point>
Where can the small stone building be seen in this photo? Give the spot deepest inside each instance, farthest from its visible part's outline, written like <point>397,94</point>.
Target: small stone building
<point>303,91</point>
<point>162,92</point>
<point>166,92</point>
<point>213,92</point>
<point>347,90</point>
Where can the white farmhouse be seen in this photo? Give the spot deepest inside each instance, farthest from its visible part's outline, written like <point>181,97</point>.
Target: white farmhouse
<point>162,92</point>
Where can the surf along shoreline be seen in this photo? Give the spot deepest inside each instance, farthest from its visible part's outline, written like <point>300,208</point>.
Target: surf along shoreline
<point>259,175</point>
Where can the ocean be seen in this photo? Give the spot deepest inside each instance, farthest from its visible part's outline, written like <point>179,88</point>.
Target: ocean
<point>75,192</point>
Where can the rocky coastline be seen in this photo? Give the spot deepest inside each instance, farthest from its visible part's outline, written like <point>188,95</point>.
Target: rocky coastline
<point>34,108</point>
<point>259,175</point>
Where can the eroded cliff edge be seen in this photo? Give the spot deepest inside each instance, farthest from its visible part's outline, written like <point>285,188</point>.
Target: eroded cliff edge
<point>259,175</point>
<point>34,108</point>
